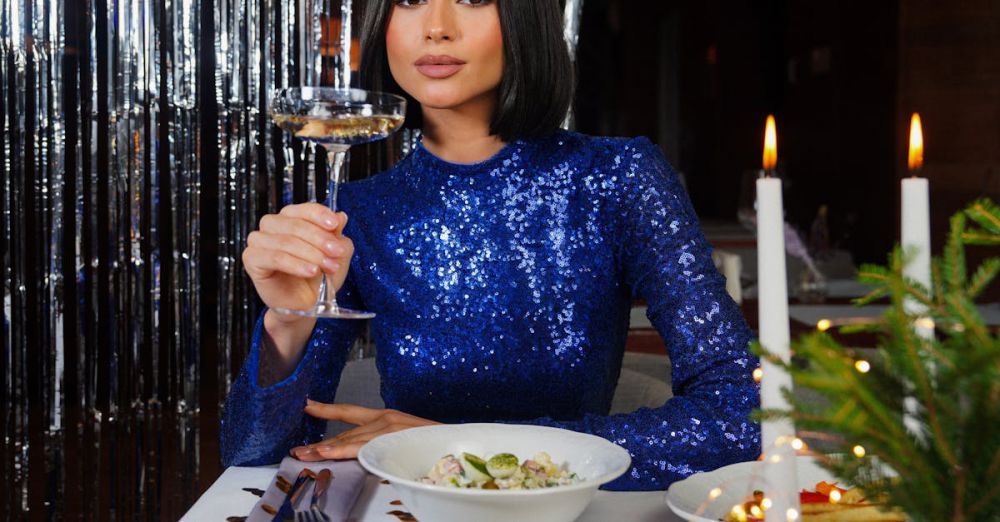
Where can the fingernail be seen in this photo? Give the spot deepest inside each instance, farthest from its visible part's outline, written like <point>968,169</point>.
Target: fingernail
<point>334,248</point>
<point>310,401</point>
<point>330,265</point>
<point>309,270</point>
<point>330,222</point>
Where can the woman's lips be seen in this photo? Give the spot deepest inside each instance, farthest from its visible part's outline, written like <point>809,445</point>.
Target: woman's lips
<point>438,67</point>
<point>440,71</point>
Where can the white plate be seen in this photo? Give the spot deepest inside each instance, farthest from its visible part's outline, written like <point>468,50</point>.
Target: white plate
<point>689,498</point>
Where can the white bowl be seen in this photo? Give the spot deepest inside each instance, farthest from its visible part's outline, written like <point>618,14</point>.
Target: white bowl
<point>405,456</point>
<point>689,498</point>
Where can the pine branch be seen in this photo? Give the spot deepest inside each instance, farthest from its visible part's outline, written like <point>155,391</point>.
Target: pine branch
<point>986,272</point>
<point>980,238</point>
<point>986,213</point>
<point>872,327</point>
<point>875,275</point>
<point>971,321</point>
<point>954,254</point>
<point>985,500</point>
<point>871,297</point>
<point>937,281</point>
<point>955,377</point>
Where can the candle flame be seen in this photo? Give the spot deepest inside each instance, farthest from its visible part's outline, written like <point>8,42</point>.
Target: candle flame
<point>916,157</point>
<point>770,144</point>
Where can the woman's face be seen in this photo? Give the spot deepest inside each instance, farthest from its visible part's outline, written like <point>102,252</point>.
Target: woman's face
<point>445,53</point>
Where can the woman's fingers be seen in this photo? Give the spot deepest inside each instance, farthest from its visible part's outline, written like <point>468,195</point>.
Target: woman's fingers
<point>261,263</point>
<point>348,413</point>
<point>332,245</point>
<point>339,451</point>
<point>373,427</point>
<point>293,245</point>
<point>317,214</point>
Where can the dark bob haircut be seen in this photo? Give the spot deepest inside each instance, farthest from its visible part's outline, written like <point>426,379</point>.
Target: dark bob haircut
<point>537,84</point>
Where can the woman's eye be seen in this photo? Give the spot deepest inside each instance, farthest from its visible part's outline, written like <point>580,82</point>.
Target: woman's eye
<point>475,3</point>
<point>408,3</point>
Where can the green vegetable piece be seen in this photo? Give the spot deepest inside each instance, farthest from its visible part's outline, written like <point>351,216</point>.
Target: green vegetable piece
<point>475,468</point>
<point>502,465</point>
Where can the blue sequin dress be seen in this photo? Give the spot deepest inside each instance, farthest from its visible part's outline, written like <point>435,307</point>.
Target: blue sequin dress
<point>503,291</point>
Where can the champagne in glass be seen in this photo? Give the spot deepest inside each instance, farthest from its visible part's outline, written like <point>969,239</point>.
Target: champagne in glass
<point>336,119</point>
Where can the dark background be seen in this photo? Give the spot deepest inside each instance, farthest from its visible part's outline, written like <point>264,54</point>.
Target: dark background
<point>841,77</point>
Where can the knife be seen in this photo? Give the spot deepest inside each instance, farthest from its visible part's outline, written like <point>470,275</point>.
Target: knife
<point>287,511</point>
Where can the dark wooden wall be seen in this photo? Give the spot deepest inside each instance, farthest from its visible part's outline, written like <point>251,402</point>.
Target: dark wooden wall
<point>842,78</point>
<point>949,71</point>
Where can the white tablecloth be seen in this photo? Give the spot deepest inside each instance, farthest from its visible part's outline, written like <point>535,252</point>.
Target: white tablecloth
<point>227,498</point>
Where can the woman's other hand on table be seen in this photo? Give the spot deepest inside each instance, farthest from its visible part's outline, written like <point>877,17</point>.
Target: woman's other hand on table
<point>370,424</point>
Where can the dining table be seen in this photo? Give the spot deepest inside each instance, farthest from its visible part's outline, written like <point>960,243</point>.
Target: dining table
<point>232,494</point>
<point>235,493</point>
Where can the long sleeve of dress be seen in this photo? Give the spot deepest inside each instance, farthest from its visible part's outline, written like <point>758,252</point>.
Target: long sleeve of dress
<point>260,425</point>
<point>666,260</point>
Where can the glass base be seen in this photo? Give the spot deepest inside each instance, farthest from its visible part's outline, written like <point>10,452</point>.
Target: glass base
<point>329,311</point>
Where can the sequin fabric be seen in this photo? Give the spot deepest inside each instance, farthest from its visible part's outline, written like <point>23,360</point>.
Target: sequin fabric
<point>503,291</point>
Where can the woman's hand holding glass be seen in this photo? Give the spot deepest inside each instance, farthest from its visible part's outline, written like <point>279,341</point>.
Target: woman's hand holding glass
<point>286,256</point>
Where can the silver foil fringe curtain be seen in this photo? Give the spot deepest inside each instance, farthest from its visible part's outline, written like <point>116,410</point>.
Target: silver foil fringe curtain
<point>136,156</point>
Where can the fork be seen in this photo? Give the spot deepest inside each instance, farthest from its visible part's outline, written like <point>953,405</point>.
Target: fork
<point>313,514</point>
<point>304,516</point>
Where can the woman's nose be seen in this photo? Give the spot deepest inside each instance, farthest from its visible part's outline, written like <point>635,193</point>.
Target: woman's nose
<point>440,21</point>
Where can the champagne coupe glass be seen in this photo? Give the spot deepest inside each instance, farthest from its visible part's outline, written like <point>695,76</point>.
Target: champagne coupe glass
<point>335,119</point>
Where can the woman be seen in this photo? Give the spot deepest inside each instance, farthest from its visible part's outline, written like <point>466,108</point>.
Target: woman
<point>502,257</point>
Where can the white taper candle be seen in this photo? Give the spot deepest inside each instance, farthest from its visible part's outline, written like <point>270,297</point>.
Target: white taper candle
<point>776,435</point>
<point>915,238</point>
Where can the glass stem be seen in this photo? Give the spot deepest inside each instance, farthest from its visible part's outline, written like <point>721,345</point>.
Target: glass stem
<point>335,157</point>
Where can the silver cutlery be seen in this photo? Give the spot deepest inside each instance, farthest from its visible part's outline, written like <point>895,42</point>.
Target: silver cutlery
<point>287,511</point>
<point>320,488</point>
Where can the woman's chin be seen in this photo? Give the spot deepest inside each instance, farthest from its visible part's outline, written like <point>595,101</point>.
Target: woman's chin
<point>440,102</point>
<point>443,97</point>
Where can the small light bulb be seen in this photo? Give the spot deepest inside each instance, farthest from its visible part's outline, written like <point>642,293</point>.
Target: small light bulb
<point>766,503</point>
<point>862,366</point>
<point>925,322</point>
<point>792,514</point>
<point>797,444</point>
<point>758,374</point>
<point>835,496</point>
<point>776,458</point>
<point>823,325</point>
<point>859,451</point>
<point>715,493</point>
<point>756,511</point>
